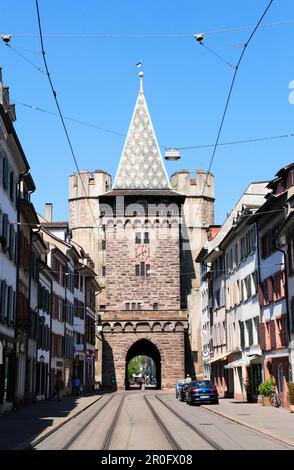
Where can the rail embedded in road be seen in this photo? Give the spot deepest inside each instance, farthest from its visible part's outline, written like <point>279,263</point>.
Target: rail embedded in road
<point>212,443</point>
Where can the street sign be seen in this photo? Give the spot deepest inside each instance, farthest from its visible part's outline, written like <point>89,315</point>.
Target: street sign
<point>205,354</point>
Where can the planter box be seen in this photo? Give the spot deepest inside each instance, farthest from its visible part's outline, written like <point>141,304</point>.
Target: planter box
<point>266,401</point>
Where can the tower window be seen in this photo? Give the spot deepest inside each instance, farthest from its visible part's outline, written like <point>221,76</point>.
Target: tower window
<point>142,269</point>
<point>146,238</point>
<point>138,238</point>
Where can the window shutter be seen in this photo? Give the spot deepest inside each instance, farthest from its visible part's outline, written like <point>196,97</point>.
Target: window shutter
<point>9,304</point>
<point>3,300</point>
<point>261,336</point>
<point>282,283</point>
<point>5,229</point>
<point>273,334</point>
<point>270,290</point>
<point>5,173</point>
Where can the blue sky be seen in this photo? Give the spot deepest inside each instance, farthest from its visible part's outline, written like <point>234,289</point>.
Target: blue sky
<point>185,86</point>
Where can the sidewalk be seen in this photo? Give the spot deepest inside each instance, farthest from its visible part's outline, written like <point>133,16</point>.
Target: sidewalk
<point>274,422</point>
<point>21,428</point>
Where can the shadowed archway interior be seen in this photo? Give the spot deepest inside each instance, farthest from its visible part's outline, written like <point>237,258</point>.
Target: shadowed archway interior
<point>143,347</point>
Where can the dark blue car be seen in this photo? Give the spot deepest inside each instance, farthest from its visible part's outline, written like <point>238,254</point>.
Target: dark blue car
<point>201,391</point>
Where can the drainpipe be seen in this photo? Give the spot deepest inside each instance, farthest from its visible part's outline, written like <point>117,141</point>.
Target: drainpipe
<point>287,299</point>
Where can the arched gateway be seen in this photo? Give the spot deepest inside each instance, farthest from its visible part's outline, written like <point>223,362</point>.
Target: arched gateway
<point>144,347</point>
<point>141,219</point>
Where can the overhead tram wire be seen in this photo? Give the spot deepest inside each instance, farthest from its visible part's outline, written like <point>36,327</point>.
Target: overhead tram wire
<point>228,101</point>
<point>59,109</point>
<point>26,59</point>
<point>120,134</point>
<point>152,36</point>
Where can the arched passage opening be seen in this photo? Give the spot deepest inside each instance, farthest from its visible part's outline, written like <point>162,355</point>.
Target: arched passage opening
<point>143,347</point>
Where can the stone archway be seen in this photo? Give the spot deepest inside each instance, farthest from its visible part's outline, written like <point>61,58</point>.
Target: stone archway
<point>144,347</point>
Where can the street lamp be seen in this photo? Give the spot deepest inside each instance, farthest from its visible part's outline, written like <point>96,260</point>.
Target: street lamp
<point>172,154</point>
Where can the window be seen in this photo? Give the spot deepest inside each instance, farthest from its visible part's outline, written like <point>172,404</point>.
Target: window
<point>139,306</point>
<point>138,238</point>
<point>155,306</point>
<point>147,269</point>
<point>242,336</point>
<point>133,306</point>
<point>103,244</point>
<point>142,269</point>
<point>103,270</point>
<point>146,238</point>
<point>137,270</point>
<point>127,306</point>
<point>249,329</point>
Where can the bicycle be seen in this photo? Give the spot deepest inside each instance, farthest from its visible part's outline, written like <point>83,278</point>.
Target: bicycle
<point>275,399</point>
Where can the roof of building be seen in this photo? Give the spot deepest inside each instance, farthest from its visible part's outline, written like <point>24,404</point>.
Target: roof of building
<point>141,165</point>
<point>147,192</point>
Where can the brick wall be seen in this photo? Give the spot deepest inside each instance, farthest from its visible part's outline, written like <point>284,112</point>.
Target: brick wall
<point>162,254</point>
<point>169,344</point>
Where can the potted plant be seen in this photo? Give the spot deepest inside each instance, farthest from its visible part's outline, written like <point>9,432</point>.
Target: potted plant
<point>266,389</point>
<point>290,396</point>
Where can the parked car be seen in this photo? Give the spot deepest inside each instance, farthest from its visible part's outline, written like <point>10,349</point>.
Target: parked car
<point>201,391</point>
<point>179,386</point>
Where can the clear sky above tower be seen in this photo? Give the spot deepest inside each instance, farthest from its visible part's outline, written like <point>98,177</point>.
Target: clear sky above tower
<point>185,85</point>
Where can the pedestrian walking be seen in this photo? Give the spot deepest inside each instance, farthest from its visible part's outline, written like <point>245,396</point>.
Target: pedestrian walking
<point>188,379</point>
<point>59,387</point>
<point>76,386</point>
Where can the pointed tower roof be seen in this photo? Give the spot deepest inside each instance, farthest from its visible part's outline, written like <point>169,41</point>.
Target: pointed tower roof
<point>141,165</point>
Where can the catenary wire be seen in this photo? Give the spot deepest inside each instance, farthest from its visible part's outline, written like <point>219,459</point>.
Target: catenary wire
<point>229,98</point>
<point>153,36</point>
<point>120,134</point>
<point>59,109</point>
<point>217,55</point>
<point>26,59</point>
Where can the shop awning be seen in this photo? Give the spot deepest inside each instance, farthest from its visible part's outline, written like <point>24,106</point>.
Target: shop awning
<point>219,357</point>
<point>244,361</point>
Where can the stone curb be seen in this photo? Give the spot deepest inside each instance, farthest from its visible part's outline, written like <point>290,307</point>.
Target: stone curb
<point>30,444</point>
<point>251,426</point>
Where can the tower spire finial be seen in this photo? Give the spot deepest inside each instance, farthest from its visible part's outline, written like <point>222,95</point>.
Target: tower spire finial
<point>141,75</point>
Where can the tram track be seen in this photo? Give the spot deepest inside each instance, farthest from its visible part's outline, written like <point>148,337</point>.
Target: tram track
<point>110,431</point>
<point>175,445</point>
<point>85,425</point>
<point>207,439</point>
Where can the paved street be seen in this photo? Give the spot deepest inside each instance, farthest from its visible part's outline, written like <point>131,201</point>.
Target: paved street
<point>149,420</point>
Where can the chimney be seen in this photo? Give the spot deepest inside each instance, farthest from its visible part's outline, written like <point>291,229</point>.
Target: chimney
<point>48,211</point>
